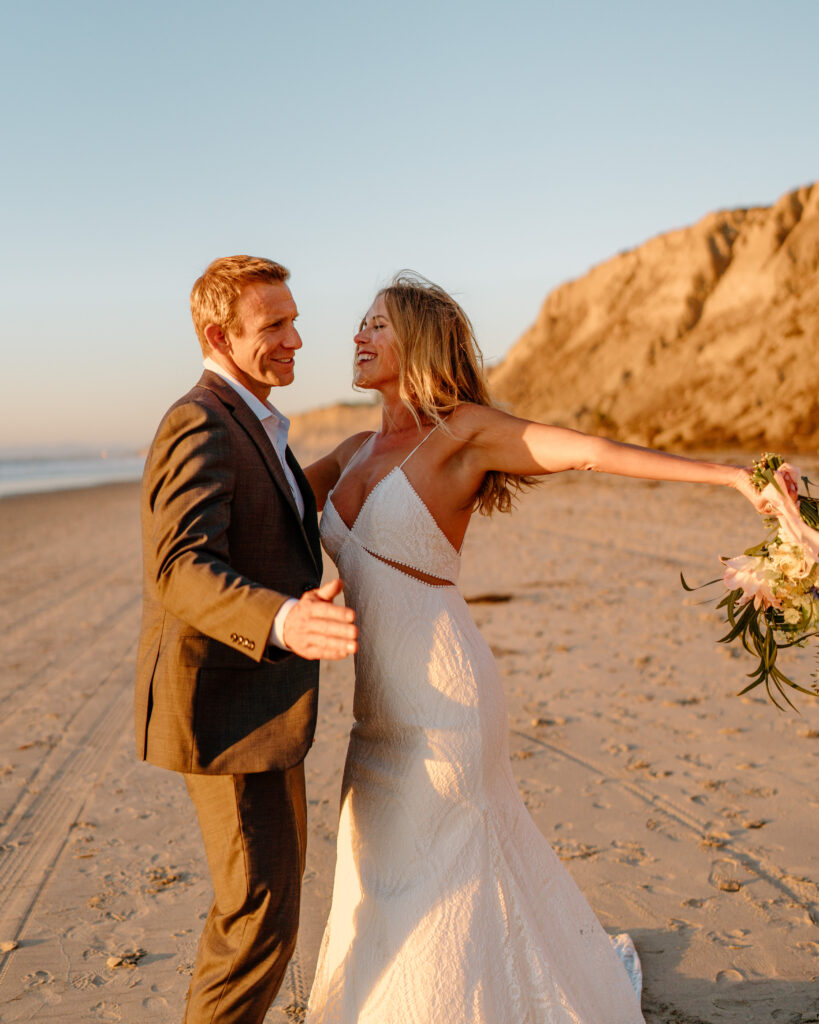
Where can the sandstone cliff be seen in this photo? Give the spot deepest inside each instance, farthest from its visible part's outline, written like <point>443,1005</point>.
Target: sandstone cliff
<point>705,336</point>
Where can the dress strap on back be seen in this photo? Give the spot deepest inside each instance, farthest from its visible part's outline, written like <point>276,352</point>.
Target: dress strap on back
<point>415,449</point>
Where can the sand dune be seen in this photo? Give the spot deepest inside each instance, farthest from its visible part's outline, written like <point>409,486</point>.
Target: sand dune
<point>685,813</point>
<point>707,335</point>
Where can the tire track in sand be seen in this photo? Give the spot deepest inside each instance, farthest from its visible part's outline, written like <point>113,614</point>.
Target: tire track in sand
<point>38,827</point>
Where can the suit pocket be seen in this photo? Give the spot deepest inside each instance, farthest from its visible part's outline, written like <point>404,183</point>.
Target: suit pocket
<point>198,650</point>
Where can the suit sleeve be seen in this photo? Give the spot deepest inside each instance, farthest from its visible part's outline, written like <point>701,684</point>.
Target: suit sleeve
<point>191,483</point>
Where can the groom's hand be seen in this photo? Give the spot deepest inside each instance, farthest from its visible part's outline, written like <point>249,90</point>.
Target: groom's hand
<point>317,628</point>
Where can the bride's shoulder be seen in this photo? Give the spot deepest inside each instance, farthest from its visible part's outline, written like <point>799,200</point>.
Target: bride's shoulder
<point>469,418</point>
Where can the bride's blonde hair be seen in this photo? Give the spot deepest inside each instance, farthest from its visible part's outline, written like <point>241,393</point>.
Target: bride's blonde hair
<point>441,367</point>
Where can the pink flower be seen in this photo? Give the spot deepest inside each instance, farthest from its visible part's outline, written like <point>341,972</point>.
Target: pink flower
<point>747,573</point>
<point>788,477</point>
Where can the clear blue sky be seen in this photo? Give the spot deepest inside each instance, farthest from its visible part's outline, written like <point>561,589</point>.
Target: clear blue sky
<point>497,148</point>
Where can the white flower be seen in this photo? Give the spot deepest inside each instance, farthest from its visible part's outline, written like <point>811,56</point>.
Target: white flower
<point>749,574</point>
<point>791,560</point>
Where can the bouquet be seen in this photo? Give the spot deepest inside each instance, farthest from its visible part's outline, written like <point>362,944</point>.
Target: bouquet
<point>773,588</point>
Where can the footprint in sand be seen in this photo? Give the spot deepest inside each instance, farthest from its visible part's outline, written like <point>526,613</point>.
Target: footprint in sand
<point>154,1003</point>
<point>86,981</point>
<point>724,876</point>
<point>38,978</point>
<point>107,1011</point>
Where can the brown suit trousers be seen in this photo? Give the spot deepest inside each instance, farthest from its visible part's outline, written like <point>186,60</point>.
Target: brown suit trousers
<point>250,824</point>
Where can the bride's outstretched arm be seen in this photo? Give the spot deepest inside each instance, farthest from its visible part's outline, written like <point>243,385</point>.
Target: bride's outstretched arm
<point>514,445</point>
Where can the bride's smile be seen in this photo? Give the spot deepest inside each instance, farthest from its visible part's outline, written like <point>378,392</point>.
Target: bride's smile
<point>376,362</point>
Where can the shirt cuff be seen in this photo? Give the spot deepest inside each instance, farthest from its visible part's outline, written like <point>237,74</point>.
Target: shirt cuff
<point>277,630</point>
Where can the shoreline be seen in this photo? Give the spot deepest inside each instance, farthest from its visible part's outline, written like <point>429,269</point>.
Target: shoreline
<point>57,481</point>
<point>53,492</point>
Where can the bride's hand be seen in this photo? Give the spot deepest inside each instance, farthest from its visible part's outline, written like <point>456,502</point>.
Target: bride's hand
<point>742,483</point>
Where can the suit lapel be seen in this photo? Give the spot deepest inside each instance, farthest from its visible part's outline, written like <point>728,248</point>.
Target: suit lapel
<point>310,523</point>
<point>258,435</point>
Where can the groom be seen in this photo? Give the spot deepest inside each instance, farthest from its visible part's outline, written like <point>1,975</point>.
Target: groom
<point>233,622</point>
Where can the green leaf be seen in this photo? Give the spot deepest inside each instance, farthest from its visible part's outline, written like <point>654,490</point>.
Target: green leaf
<point>691,589</point>
<point>809,511</point>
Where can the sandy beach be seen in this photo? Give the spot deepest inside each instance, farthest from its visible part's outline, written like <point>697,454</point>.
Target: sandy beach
<point>686,814</point>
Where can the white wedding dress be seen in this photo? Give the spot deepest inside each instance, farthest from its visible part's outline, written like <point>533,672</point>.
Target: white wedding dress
<point>449,906</point>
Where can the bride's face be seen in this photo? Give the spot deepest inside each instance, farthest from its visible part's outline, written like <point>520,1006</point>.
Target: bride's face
<point>376,363</point>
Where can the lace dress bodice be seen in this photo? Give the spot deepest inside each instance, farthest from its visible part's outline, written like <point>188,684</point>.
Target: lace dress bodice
<point>412,539</point>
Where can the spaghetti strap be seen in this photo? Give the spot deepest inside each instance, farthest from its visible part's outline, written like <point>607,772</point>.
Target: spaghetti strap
<point>353,457</point>
<point>415,449</point>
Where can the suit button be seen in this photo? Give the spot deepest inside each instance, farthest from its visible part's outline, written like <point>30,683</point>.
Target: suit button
<point>251,644</point>
<point>234,637</point>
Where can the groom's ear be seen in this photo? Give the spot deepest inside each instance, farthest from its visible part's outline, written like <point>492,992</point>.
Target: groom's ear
<point>216,338</point>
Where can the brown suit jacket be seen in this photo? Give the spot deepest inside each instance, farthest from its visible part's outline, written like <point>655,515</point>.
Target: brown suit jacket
<point>223,547</point>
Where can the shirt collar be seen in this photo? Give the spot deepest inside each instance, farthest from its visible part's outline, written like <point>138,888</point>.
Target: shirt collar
<point>263,410</point>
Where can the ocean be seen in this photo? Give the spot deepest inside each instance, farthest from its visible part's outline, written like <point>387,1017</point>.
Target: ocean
<point>27,475</point>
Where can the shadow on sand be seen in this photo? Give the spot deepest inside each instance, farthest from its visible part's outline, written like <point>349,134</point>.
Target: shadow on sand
<point>728,998</point>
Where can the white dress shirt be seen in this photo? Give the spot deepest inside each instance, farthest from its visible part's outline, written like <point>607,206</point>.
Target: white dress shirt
<point>276,427</point>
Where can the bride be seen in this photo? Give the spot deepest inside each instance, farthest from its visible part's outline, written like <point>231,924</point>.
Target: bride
<point>448,903</point>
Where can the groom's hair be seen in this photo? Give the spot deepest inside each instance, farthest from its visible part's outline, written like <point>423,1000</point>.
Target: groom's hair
<point>215,293</point>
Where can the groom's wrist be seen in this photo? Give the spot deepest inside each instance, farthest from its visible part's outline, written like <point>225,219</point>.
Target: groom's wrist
<point>277,629</point>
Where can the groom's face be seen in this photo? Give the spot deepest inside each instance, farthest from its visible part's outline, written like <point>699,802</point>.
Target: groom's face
<point>260,348</point>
